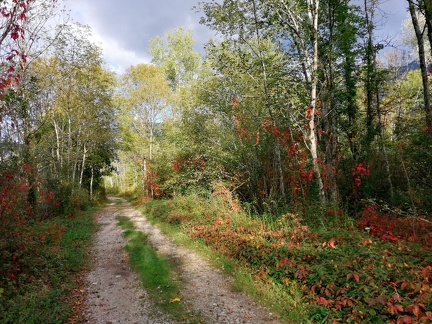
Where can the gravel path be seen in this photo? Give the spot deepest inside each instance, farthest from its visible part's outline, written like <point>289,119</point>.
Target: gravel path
<point>114,293</point>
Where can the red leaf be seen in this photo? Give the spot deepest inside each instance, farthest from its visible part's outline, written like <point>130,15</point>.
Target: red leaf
<point>394,308</point>
<point>427,317</point>
<point>356,276</point>
<point>283,262</point>
<point>404,320</point>
<point>425,271</point>
<point>396,296</point>
<point>323,301</point>
<point>415,309</point>
<point>14,35</point>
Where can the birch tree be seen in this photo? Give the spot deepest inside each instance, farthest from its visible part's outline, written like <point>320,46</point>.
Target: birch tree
<point>144,100</point>
<point>417,8</point>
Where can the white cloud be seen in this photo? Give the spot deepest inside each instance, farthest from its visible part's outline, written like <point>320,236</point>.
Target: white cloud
<point>116,55</point>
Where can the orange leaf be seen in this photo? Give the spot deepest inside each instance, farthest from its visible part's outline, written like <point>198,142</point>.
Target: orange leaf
<point>425,288</point>
<point>367,242</point>
<point>330,243</point>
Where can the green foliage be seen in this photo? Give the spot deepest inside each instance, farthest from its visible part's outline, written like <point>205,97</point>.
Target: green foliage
<point>144,102</point>
<point>74,135</point>
<point>174,53</point>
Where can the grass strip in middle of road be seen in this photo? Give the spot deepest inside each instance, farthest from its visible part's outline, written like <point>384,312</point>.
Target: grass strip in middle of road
<point>155,273</point>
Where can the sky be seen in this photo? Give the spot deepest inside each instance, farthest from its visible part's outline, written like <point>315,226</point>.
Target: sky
<point>123,28</point>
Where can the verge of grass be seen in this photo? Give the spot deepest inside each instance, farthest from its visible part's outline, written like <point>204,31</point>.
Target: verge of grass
<point>56,250</point>
<point>156,274</point>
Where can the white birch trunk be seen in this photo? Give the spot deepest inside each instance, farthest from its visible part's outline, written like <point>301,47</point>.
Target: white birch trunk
<point>313,18</point>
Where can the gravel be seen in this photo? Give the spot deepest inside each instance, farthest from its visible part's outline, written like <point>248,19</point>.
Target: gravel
<point>114,293</point>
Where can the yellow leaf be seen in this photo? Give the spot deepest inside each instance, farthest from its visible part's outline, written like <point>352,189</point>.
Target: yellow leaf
<point>175,300</point>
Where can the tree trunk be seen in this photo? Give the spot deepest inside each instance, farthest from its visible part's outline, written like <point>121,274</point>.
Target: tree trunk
<point>313,17</point>
<point>144,176</point>
<point>91,184</point>
<point>59,159</point>
<point>423,67</point>
<point>83,165</point>
<point>370,75</point>
<point>428,17</point>
<point>384,149</point>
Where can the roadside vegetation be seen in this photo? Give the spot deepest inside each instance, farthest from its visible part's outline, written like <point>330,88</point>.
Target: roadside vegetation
<point>295,150</point>
<point>42,269</point>
<point>307,272</point>
<point>57,135</point>
<point>293,147</point>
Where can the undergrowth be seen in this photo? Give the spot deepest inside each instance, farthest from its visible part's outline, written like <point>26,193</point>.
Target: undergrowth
<point>336,274</point>
<point>41,272</point>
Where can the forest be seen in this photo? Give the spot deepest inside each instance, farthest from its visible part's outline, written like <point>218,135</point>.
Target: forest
<point>299,144</point>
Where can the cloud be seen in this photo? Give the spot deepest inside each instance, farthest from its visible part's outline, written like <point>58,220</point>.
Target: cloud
<point>116,55</point>
<point>123,29</point>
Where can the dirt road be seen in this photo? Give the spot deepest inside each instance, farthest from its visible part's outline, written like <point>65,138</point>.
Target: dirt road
<point>115,294</point>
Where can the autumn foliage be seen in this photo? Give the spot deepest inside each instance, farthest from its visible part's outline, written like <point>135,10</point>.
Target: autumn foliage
<point>13,15</point>
<point>17,216</point>
<point>345,275</point>
<point>394,228</point>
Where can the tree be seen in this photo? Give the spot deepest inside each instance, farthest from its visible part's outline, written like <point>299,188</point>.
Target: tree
<point>416,8</point>
<point>144,99</point>
<point>26,22</point>
<point>296,27</point>
<point>74,92</point>
<point>175,55</point>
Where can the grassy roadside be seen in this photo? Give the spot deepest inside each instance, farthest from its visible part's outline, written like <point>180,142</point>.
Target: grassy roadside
<point>40,288</point>
<point>336,274</point>
<point>171,217</point>
<point>156,274</point>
